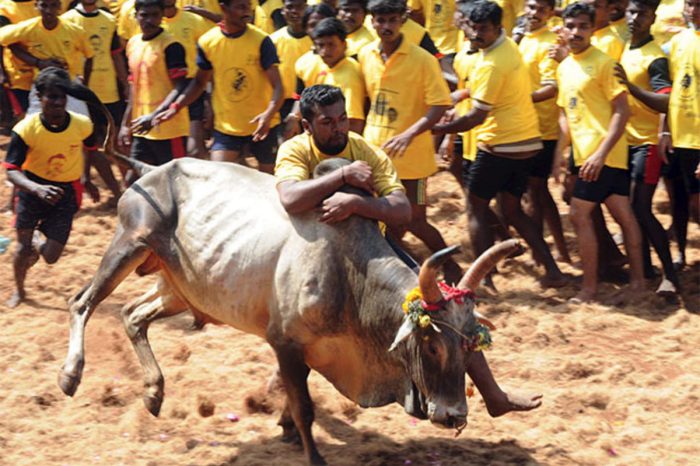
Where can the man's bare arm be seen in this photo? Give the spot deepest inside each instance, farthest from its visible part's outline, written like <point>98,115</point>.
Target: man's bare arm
<point>475,117</point>
<point>393,209</point>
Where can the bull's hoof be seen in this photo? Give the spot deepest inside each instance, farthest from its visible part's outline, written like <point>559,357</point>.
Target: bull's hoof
<point>153,404</point>
<point>68,383</point>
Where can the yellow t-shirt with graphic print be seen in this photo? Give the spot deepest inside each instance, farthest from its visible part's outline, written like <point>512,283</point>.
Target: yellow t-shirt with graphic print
<point>298,157</point>
<point>587,85</point>
<point>66,42</point>
<point>54,156</point>
<point>534,48</point>
<point>463,65</point>
<point>439,22</point>
<point>100,27</point>
<point>151,83</point>
<point>345,74</point>
<point>19,74</point>
<point>500,84</point>
<point>684,104</point>
<point>187,28</point>
<point>289,50</point>
<point>401,91</point>
<point>241,88</point>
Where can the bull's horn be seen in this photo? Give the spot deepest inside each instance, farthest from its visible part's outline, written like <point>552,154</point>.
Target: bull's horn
<point>427,278</point>
<point>487,261</point>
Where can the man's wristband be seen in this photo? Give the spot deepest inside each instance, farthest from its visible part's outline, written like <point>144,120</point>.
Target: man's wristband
<point>665,133</point>
<point>174,106</point>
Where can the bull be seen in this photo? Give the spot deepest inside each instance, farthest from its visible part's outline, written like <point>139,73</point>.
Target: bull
<point>325,297</point>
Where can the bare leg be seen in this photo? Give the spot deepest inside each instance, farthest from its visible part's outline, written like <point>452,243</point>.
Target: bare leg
<point>497,401</point>
<point>267,168</point>
<point>587,244</point>
<point>104,169</point>
<point>480,234</point>
<point>225,155</point>
<point>544,208</point>
<point>621,211</point>
<point>195,142</point>
<point>25,257</point>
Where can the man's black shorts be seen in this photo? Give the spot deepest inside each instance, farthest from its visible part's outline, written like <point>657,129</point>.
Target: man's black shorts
<point>688,160</point>
<point>542,161</point>
<point>286,109</point>
<point>610,181</point>
<point>158,151</point>
<point>264,151</point>
<point>490,174</point>
<point>54,221</point>
<point>645,163</point>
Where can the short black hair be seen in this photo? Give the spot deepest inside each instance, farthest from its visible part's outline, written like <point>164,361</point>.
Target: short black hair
<point>361,3</point>
<point>52,77</point>
<point>651,4</point>
<point>319,95</point>
<point>329,27</point>
<point>322,9</point>
<point>387,7</point>
<point>465,7</point>
<point>484,11</point>
<point>146,3</point>
<point>579,8</point>
<point>550,3</point>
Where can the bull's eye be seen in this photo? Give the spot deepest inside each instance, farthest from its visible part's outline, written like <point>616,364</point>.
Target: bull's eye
<point>432,349</point>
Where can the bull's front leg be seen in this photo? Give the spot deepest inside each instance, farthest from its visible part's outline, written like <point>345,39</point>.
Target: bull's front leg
<point>295,372</point>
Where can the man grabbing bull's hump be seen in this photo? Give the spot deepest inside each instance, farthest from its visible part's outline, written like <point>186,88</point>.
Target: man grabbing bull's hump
<point>326,135</point>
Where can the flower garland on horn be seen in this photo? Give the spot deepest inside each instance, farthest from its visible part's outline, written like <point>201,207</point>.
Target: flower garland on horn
<point>419,312</point>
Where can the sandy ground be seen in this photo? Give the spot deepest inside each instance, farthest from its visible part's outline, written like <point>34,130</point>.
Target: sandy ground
<point>620,379</point>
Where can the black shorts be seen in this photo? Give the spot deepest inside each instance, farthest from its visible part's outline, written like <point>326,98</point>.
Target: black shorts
<point>688,160</point>
<point>542,161</point>
<point>158,151</point>
<point>264,151</point>
<point>196,108</point>
<point>416,191</point>
<point>610,181</point>
<point>22,97</point>
<point>54,221</point>
<point>490,174</point>
<point>286,108</point>
<point>645,164</point>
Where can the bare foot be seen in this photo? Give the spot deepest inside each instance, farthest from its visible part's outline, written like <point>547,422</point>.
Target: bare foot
<point>16,298</point>
<point>562,257</point>
<point>555,280</point>
<point>666,289</point>
<point>512,402</point>
<point>583,297</point>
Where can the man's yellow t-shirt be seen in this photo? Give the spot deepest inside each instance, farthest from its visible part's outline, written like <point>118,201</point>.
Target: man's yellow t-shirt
<point>669,20</point>
<point>534,48</point>
<point>587,85</point>
<point>358,39</point>
<point>209,5</point>
<point>100,27</point>
<point>500,84</point>
<point>647,68</point>
<point>127,26</point>
<point>264,15</point>
<point>684,106</point>
<point>298,157</point>
<point>620,28</point>
<point>401,91</point>
<point>511,10</point>
<point>289,50</point>
<point>607,41</point>
<point>187,28</point>
<point>66,42</point>
<point>54,156</point>
<point>19,74</point>
<point>439,22</point>
<point>463,65</point>
<point>345,74</point>
<point>151,83</point>
<point>242,90</point>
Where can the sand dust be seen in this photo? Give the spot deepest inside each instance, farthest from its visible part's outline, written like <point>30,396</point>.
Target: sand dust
<point>620,380</point>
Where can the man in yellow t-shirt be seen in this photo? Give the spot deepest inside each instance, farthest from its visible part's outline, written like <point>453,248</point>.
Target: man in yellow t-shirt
<point>157,73</point>
<point>643,68</point>
<point>45,162</point>
<point>331,66</point>
<point>534,47</point>
<point>408,96</point>
<point>207,9</point>
<point>604,37</point>
<point>618,19</point>
<point>247,95</point>
<point>436,16</point>
<point>507,137</point>
<point>353,13</point>
<point>594,113</point>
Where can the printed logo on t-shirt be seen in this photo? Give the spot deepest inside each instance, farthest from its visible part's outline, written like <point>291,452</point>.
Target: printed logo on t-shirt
<point>240,86</point>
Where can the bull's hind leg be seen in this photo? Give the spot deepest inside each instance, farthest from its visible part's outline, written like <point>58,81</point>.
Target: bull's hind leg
<point>155,304</point>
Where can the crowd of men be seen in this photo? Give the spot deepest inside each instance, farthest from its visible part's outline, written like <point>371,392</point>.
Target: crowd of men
<point>509,92</point>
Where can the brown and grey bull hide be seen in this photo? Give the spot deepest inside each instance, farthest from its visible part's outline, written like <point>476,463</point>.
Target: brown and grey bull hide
<point>324,297</point>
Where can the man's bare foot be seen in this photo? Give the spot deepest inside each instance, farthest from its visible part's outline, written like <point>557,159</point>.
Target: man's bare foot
<point>679,263</point>
<point>16,298</point>
<point>512,402</point>
<point>555,280</point>
<point>562,257</point>
<point>583,297</point>
<point>666,289</point>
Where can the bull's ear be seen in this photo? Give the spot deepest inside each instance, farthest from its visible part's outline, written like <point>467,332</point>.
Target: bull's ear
<point>405,330</point>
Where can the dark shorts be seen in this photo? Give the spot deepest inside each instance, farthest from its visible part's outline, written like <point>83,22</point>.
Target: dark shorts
<point>688,160</point>
<point>610,181</point>
<point>22,97</point>
<point>286,108</point>
<point>490,174</point>
<point>542,161</point>
<point>54,221</point>
<point>196,108</point>
<point>416,191</point>
<point>645,164</point>
<point>158,151</point>
<point>264,151</point>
